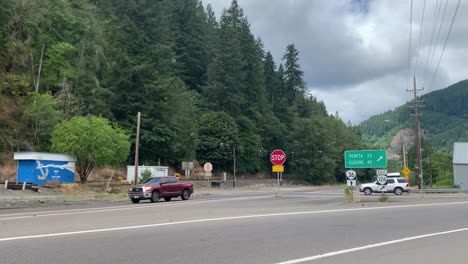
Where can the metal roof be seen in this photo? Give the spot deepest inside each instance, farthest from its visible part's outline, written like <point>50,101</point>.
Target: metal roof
<point>460,153</point>
<point>42,156</point>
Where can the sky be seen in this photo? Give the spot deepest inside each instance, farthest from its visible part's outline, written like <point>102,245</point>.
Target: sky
<point>356,55</point>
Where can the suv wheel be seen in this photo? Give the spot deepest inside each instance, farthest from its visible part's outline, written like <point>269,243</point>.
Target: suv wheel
<point>185,194</point>
<point>367,191</point>
<point>135,200</point>
<point>398,191</point>
<point>155,197</point>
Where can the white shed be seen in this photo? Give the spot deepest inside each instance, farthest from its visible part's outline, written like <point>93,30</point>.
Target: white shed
<point>155,171</point>
<point>460,164</point>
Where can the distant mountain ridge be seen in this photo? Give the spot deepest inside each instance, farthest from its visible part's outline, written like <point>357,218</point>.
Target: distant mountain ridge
<point>443,121</point>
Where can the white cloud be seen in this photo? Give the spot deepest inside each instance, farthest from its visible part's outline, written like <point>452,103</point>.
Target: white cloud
<point>354,53</point>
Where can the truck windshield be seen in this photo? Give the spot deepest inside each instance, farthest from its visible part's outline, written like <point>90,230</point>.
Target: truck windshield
<point>153,180</point>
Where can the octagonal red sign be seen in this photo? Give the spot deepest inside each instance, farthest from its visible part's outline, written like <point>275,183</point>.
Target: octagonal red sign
<point>277,157</point>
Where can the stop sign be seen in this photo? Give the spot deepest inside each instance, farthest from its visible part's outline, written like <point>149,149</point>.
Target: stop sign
<point>278,157</point>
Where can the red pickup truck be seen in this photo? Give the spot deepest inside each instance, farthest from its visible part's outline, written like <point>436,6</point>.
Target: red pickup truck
<point>156,188</point>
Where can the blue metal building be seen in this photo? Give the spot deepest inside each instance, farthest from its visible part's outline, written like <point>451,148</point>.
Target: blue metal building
<point>460,164</point>
<point>40,168</point>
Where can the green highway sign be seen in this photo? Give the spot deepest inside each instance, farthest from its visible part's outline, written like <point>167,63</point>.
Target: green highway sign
<point>365,158</point>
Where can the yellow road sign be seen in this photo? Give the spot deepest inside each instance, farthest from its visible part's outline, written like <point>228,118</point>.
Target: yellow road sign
<point>406,171</point>
<point>277,168</point>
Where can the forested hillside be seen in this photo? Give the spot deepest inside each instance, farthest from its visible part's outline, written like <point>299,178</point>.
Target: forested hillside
<point>197,80</point>
<point>444,119</point>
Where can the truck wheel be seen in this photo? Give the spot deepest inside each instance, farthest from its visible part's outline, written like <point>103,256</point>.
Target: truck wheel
<point>167,199</point>
<point>155,197</point>
<point>135,200</point>
<point>186,194</point>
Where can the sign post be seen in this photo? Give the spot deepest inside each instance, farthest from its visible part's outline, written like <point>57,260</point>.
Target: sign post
<point>351,181</point>
<point>382,181</point>
<point>406,171</point>
<point>208,167</point>
<point>187,166</point>
<point>278,157</point>
<point>375,158</point>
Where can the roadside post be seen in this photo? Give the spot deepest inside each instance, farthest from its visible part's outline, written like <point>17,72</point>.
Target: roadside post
<point>364,159</point>
<point>277,158</point>
<point>406,171</point>
<point>208,167</point>
<point>351,181</point>
<point>187,166</point>
<point>382,180</point>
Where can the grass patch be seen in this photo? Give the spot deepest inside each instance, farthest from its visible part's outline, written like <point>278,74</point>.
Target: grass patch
<point>446,183</point>
<point>348,193</point>
<point>383,198</point>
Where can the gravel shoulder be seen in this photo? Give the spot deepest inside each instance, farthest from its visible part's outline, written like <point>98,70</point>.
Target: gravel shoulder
<point>79,194</point>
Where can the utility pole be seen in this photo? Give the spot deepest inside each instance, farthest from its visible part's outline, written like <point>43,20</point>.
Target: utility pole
<point>40,67</point>
<point>137,143</point>
<point>405,163</point>
<point>234,168</point>
<point>416,105</point>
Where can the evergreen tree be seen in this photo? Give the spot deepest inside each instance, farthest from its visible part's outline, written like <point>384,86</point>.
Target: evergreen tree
<point>212,33</point>
<point>225,86</point>
<point>216,128</point>
<point>190,32</point>
<point>293,73</point>
<point>271,79</point>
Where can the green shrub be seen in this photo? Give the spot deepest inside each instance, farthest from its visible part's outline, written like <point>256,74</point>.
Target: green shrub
<point>348,193</point>
<point>383,198</point>
<point>115,191</point>
<point>446,183</point>
<point>145,176</point>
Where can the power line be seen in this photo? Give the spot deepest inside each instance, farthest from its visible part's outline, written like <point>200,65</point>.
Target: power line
<point>445,44</point>
<point>438,35</point>
<point>431,44</point>
<point>420,36</point>
<point>409,47</point>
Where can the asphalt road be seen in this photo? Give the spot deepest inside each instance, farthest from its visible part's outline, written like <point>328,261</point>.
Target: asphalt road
<point>256,227</point>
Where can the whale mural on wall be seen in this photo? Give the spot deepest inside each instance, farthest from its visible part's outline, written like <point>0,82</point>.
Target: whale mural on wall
<point>40,168</point>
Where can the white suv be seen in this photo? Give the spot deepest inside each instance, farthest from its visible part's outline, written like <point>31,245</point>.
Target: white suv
<point>396,185</point>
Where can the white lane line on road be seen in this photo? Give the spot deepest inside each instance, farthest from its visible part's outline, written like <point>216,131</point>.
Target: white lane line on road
<point>351,250</point>
<point>215,220</point>
<point>121,208</point>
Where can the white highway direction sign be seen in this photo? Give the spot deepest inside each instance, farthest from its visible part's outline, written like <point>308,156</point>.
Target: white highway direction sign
<point>350,175</point>
<point>351,183</point>
<point>382,179</point>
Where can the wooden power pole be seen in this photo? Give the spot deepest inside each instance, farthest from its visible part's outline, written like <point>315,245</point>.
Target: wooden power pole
<point>137,143</point>
<point>416,105</point>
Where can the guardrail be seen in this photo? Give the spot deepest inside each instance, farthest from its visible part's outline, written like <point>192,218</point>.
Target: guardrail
<point>439,191</point>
